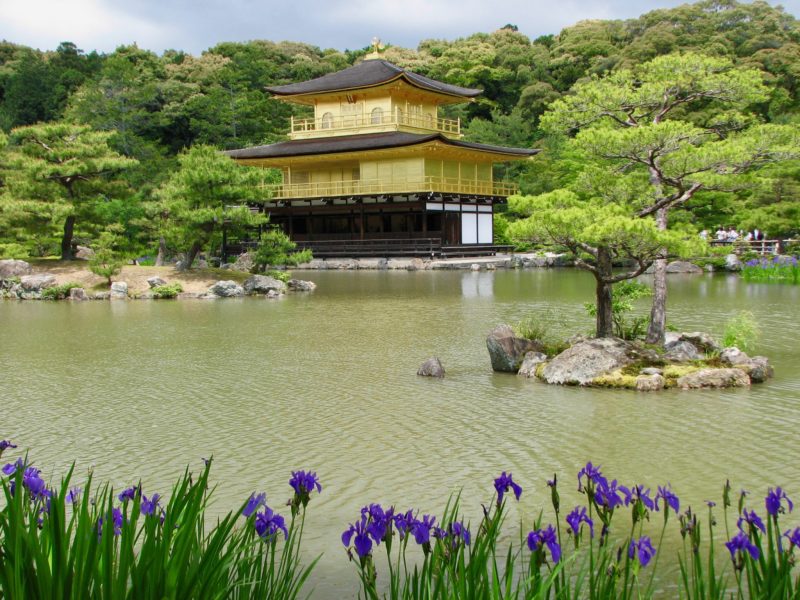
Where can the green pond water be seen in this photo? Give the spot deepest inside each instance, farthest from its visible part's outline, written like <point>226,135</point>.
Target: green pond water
<point>326,381</point>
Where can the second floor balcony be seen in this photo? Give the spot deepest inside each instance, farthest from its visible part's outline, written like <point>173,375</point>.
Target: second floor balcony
<point>376,121</point>
<point>378,187</point>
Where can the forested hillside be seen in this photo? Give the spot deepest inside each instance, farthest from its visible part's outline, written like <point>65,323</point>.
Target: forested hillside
<point>156,106</point>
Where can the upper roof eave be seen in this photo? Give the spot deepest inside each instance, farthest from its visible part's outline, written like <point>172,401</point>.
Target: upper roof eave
<point>369,73</point>
<point>367,142</point>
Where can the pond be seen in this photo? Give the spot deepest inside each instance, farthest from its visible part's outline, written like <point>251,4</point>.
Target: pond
<point>327,382</point>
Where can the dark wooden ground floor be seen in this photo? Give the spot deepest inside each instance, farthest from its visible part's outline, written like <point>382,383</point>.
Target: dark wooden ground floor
<point>398,226</point>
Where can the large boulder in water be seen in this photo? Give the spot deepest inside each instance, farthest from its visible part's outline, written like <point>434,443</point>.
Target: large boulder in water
<point>263,284</point>
<point>14,268</point>
<point>714,378</point>
<point>586,360</point>
<point>506,350</point>
<point>226,289</point>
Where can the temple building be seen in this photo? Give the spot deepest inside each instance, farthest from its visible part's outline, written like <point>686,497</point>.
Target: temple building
<point>377,171</point>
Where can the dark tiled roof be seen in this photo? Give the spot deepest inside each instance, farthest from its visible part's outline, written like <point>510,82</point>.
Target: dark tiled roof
<point>368,141</point>
<point>366,74</point>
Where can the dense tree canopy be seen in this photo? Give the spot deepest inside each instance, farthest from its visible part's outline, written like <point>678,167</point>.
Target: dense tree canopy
<point>155,106</point>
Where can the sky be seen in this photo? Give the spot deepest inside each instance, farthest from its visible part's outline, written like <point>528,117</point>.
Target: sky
<point>195,25</point>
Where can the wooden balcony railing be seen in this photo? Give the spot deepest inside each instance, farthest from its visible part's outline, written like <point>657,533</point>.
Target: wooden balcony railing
<point>372,187</point>
<point>360,122</point>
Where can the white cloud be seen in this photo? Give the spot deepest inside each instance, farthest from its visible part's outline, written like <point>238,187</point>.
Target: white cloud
<point>90,24</point>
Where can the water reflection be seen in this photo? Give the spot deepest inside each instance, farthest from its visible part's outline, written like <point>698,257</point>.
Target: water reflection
<point>327,381</point>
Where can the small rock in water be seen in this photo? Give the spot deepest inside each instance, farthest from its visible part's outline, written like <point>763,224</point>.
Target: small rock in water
<point>78,294</point>
<point>650,383</point>
<point>714,378</point>
<point>530,362</point>
<point>263,284</point>
<point>119,290</point>
<point>431,368</point>
<point>301,285</point>
<point>681,351</point>
<point>475,267</point>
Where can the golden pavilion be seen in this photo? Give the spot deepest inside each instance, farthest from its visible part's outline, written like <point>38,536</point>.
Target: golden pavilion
<point>376,170</point>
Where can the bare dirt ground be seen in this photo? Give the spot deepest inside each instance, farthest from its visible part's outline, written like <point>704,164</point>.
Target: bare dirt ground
<point>77,271</point>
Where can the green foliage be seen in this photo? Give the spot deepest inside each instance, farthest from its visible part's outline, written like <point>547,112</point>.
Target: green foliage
<point>623,296</point>
<point>209,191</point>
<point>93,545</point>
<point>169,290</point>
<point>59,292</point>
<point>107,261</point>
<point>56,173</point>
<point>779,269</point>
<point>276,249</point>
<point>534,328</point>
<point>13,250</point>
<point>283,276</point>
<point>741,331</point>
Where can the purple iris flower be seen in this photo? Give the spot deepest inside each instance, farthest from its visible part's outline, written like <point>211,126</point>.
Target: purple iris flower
<point>502,484</point>
<point>5,445</point>
<point>457,530</point>
<point>149,505</point>
<point>379,521</point>
<point>34,484</point>
<point>642,549</point>
<point>666,494</point>
<point>254,503</point>
<point>638,492</point>
<point>304,482</point>
<point>578,516</point>
<point>403,522</point>
<point>608,494</point>
<point>361,542</point>
<point>422,529</point>
<point>740,543</point>
<point>793,536</point>
<point>774,500</point>
<point>130,493</point>
<point>73,495</point>
<point>116,521</point>
<point>268,523</point>
<point>752,519</point>
<point>11,468</point>
<point>545,537</point>
<point>591,473</point>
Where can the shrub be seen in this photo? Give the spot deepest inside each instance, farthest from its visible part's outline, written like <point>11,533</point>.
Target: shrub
<point>624,294</point>
<point>59,292</point>
<point>276,249</point>
<point>741,331</point>
<point>169,290</point>
<point>13,251</point>
<point>283,276</point>
<point>533,328</point>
